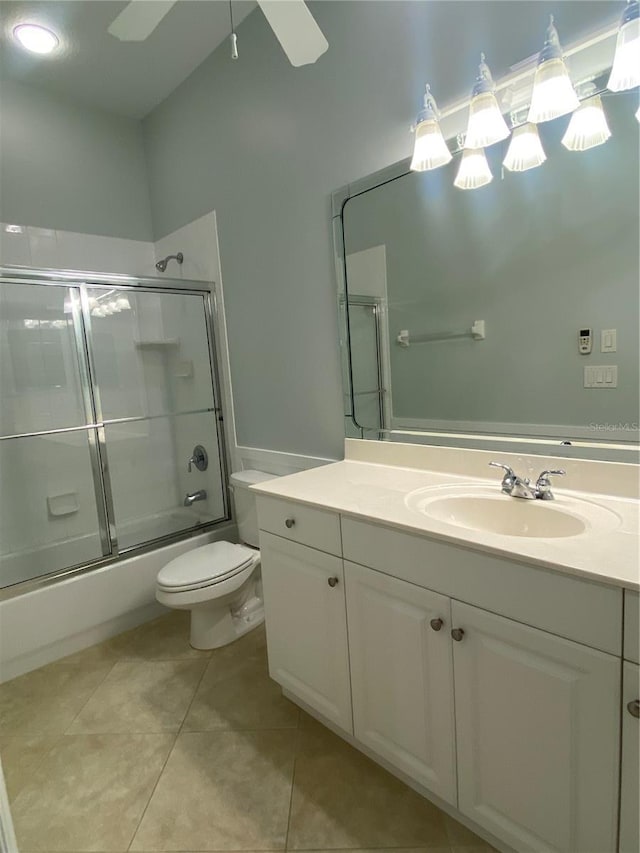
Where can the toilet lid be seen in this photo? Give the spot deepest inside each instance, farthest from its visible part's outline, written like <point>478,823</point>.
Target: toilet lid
<point>205,565</point>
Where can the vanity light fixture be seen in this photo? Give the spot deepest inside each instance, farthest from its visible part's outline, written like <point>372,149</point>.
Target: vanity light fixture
<point>430,148</point>
<point>625,72</point>
<point>474,171</point>
<point>486,123</point>
<point>588,126</point>
<point>553,93</point>
<point>36,38</point>
<point>525,149</point>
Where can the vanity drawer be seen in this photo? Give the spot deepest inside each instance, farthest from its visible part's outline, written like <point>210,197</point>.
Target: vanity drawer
<point>317,528</point>
<point>571,607</point>
<point>631,620</point>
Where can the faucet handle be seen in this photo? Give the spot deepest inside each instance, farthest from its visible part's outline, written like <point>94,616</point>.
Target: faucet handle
<point>508,471</point>
<point>543,484</point>
<point>559,472</point>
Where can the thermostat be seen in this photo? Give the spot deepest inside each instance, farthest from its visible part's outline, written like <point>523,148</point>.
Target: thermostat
<point>585,341</point>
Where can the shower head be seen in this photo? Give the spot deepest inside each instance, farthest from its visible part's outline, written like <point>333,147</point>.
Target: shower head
<point>162,265</point>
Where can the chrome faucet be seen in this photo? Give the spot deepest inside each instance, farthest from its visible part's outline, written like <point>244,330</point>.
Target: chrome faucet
<point>518,487</point>
<point>191,498</point>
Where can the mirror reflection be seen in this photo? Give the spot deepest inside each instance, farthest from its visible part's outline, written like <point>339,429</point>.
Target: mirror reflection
<point>510,309</point>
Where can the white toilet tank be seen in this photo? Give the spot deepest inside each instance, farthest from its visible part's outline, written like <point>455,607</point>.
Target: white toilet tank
<point>245,503</point>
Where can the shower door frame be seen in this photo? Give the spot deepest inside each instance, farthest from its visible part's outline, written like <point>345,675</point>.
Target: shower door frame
<point>95,427</point>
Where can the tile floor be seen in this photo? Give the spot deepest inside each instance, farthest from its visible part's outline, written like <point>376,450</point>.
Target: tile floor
<point>144,744</point>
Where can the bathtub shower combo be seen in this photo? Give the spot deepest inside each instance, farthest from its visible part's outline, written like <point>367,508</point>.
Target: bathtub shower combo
<point>111,436</point>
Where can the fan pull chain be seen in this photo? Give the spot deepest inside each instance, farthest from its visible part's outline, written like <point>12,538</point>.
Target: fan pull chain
<point>234,37</point>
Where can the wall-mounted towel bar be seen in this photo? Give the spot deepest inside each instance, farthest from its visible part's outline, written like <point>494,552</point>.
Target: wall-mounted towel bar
<point>476,333</point>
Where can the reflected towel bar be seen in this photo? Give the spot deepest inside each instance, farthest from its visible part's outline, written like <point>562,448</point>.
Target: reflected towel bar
<point>476,333</point>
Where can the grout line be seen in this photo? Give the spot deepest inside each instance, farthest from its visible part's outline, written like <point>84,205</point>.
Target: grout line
<point>193,699</point>
<point>175,740</point>
<point>91,695</point>
<point>162,769</point>
<point>293,781</point>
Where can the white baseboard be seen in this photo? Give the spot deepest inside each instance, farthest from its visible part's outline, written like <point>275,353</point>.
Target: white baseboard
<point>276,461</point>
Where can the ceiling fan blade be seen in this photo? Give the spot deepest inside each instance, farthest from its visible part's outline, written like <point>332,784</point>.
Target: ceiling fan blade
<point>296,30</point>
<point>139,19</point>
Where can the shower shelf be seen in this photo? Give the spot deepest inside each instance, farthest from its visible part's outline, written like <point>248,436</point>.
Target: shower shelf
<point>152,344</point>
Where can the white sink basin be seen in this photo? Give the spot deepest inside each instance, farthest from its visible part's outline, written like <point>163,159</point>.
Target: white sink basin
<point>486,509</point>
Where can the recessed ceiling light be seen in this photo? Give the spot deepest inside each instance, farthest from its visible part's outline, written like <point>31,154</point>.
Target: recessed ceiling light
<point>36,38</point>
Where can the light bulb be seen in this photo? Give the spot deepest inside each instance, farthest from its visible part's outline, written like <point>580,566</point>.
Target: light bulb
<point>430,149</point>
<point>553,93</point>
<point>525,149</point>
<point>588,126</point>
<point>122,303</point>
<point>474,170</point>
<point>35,38</point>
<point>486,123</point>
<point>625,72</point>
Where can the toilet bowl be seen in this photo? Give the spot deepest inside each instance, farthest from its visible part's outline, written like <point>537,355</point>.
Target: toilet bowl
<point>220,583</point>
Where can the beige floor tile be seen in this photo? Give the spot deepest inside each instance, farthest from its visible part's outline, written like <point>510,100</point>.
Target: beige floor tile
<point>222,791</point>
<point>237,693</point>
<point>165,638</point>
<point>141,696</point>
<point>21,756</point>
<point>463,839</point>
<point>342,799</point>
<point>89,793</point>
<point>48,699</point>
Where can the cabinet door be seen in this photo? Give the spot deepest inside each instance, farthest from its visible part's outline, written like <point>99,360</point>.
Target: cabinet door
<point>402,676</point>
<point>537,724</point>
<point>630,790</point>
<point>306,623</point>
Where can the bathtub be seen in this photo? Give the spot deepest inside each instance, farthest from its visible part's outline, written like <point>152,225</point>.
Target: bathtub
<point>73,613</point>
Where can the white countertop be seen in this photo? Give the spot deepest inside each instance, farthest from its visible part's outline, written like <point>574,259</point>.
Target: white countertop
<point>376,493</point>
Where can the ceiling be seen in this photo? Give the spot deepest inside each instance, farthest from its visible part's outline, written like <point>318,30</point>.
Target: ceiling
<point>93,67</point>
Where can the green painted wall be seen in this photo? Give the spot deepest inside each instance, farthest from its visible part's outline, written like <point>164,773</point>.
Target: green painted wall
<point>265,144</point>
<point>71,168</point>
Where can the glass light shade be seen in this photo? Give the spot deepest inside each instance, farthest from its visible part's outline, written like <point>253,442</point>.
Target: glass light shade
<point>625,72</point>
<point>486,123</point>
<point>588,126</point>
<point>430,150</point>
<point>474,170</point>
<point>35,38</point>
<point>553,93</point>
<point>525,149</point>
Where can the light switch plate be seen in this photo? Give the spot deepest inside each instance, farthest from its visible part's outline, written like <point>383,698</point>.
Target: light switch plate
<point>609,340</point>
<point>601,376</point>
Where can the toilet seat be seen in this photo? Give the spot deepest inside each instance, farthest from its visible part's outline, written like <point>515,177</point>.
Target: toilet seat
<point>205,567</point>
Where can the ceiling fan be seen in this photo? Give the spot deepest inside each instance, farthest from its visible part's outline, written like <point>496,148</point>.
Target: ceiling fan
<point>293,24</point>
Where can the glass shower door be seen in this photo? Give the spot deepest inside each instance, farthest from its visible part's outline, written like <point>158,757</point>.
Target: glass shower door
<point>154,391</point>
<point>52,514</point>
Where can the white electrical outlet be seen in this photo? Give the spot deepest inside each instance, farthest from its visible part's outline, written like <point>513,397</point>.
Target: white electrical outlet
<point>601,376</point>
<point>609,340</point>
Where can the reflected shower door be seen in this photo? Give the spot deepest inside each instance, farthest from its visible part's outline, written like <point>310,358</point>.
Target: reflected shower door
<point>52,513</point>
<point>154,389</point>
<point>366,368</point>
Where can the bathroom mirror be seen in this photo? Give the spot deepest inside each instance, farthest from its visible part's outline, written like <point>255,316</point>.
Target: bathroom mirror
<point>461,311</point>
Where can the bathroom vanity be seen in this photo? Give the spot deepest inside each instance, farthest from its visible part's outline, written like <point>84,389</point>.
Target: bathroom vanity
<point>492,667</point>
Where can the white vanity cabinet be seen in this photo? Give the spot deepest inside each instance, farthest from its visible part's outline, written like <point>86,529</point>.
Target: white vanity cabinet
<point>536,734</point>
<point>490,683</point>
<point>307,625</point>
<point>402,676</point>
<point>630,789</point>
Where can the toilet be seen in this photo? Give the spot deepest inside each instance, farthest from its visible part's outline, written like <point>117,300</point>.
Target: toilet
<point>220,583</point>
